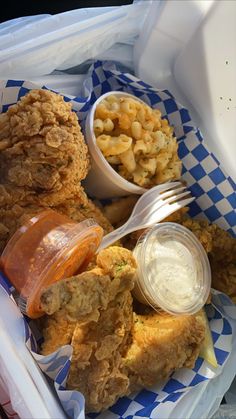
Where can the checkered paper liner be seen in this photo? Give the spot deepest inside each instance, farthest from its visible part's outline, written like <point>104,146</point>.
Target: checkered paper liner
<point>215,194</point>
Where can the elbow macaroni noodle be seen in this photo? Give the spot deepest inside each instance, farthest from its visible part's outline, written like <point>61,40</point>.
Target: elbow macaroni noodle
<point>137,143</point>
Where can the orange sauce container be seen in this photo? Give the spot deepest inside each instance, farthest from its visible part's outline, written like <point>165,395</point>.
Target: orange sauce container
<point>49,247</point>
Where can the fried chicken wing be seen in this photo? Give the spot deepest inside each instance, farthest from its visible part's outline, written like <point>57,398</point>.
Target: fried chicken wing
<point>43,159</point>
<point>162,344</point>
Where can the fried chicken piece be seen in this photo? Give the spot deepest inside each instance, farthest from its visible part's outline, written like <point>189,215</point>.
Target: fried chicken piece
<point>42,147</point>
<point>118,211</point>
<point>221,249</point>
<point>224,278</point>
<point>92,290</point>
<point>82,297</point>
<point>96,369</point>
<point>117,262</point>
<point>43,158</point>
<point>72,300</point>
<point>93,312</point>
<point>80,207</point>
<point>162,344</point>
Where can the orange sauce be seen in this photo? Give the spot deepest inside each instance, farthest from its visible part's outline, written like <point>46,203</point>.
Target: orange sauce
<point>48,248</point>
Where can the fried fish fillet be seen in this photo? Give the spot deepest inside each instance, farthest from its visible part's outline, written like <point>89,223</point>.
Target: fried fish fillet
<point>162,343</point>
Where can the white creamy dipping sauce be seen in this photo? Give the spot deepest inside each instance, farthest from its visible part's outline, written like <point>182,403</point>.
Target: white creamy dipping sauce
<point>172,272</point>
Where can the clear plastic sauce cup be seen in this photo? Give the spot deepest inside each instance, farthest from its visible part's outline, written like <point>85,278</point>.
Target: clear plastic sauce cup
<point>173,270</point>
<point>49,247</point>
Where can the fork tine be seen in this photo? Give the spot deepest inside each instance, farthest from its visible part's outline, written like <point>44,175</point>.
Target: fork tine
<point>176,197</point>
<point>172,192</point>
<point>161,205</point>
<point>168,185</point>
<point>165,210</point>
<point>183,203</point>
<point>158,191</point>
<point>156,194</point>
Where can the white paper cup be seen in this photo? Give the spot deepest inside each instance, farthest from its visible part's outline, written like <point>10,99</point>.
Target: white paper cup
<point>103,181</point>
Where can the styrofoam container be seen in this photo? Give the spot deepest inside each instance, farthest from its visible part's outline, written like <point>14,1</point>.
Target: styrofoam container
<point>168,28</point>
<point>208,50</point>
<point>103,181</point>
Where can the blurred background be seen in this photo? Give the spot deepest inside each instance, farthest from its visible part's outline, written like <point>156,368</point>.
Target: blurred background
<point>14,9</point>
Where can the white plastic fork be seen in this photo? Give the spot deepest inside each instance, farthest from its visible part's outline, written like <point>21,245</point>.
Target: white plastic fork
<point>152,207</point>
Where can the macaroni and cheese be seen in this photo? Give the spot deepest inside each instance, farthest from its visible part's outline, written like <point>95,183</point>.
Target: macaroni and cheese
<point>136,141</point>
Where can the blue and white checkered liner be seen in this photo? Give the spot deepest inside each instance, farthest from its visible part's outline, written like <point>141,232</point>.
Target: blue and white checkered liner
<point>215,194</point>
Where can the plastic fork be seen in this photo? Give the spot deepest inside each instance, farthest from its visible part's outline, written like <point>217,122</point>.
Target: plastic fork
<point>152,207</point>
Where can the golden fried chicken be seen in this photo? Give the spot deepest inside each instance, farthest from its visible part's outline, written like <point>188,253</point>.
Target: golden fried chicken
<point>119,210</point>
<point>221,249</point>
<point>93,312</point>
<point>115,351</point>
<point>162,343</point>
<point>96,369</point>
<point>42,147</point>
<point>43,158</point>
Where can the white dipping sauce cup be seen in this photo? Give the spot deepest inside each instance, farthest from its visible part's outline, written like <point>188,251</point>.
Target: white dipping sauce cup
<point>159,282</point>
<point>103,181</point>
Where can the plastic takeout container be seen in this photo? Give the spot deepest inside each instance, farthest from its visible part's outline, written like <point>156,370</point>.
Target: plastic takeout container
<point>154,64</point>
<point>173,272</point>
<point>103,181</point>
<point>47,248</point>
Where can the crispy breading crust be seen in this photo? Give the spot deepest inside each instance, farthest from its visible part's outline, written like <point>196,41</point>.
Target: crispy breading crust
<point>43,158</point>
<point>161,344</point>
<point>44,147</point>
<point>221,249</point>
<point>96,368</point>
<point>113,354</point>
<point>93,312</point>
